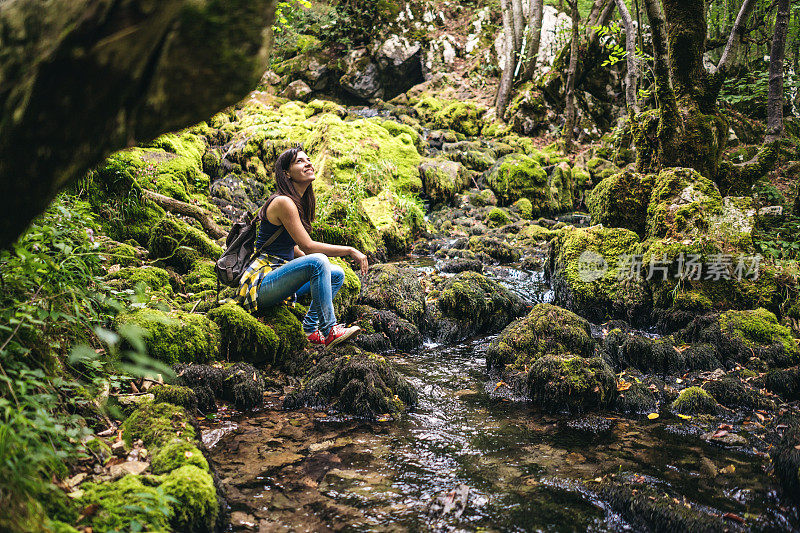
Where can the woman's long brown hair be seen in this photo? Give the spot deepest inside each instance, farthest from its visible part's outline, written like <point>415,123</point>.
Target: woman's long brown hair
<point>307,204</point>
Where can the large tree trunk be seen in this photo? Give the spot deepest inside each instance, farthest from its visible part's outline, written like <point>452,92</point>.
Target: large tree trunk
<point>534,37</point>
<point>569,109</point>
<point>632,75</point>
<point>507,78</point>
<point>775,97</point>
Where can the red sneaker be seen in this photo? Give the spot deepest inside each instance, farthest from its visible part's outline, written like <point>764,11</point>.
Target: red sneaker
<point>315,338</point>
<point>340,333</point>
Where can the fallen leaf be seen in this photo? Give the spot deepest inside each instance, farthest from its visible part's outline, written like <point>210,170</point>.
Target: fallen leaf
<point>652,416</point>
<point>730,469</point>
<point>501,384</point>
<point>679,380</point>
<point>719,433</point>
<point>685,417</point>
<point>797,447</point>
<point>188,454</point>
<point>761,417</point>
<point>734,517</point>
<point>725,426</point>
<point>623,385</point>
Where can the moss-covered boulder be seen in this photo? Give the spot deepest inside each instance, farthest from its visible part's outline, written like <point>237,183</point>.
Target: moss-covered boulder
<point>157,424</point>
<point>739,336</point>
<point>442,180</point>
<point>785,383</point>
<point>785,454</point>
<point>462,117</point>
<point>398,289</point>
<point>195,507</point>
<point>125,504</point>
<point>243,336</point>
<point>176,395</point>
<point>350,290</point>
<point>527,110</point>
<point>201,277</point>
<point>397,219</point>
<point>351,381</point>
<point>571,383</point>
<point>731,391</point>
<point>590,275</point>
<point>694,401</point>
<point>546,330</point>
<point>178,244</point>
<point>155,278</point>
<point>494,247</point>
<point>601,169</point>
<point>176,336</point>
<point>497,217</point>
<point>470,303</point>
<point>621,201</point>
<point>175,454</point>
<point>383,329</point>
<point>645,354</point>
<point>518,176</point>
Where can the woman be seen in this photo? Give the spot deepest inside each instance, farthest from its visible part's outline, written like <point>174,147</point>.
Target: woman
<point>290,211</point>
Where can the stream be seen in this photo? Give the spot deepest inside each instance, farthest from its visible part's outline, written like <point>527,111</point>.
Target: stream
<point>465,459</point>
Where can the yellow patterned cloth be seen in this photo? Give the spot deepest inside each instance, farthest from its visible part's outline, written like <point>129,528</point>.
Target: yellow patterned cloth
<point>247,296</point>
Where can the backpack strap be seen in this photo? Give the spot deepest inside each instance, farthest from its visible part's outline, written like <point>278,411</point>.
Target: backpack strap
<point>274,235</point>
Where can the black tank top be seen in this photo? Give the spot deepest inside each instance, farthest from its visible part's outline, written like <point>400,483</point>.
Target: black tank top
<point>282,247</point>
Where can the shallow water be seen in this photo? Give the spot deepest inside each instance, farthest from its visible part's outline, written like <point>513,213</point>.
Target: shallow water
<point>465,459</point>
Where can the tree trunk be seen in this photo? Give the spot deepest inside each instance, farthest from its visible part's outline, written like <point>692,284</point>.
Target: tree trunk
<point>775,97</point>
<point>518,25</point>
<point>729,54</point>
<point>632,75</point>
<point>534,37</point>
<point>569,108</point>
<point>507,77</point>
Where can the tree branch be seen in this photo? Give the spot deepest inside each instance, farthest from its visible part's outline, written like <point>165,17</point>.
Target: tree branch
<point>182,208</point>
<point>630,47</point>
<point>736,35</point>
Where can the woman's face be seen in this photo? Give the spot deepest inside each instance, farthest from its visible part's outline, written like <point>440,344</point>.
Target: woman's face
<point>301,170</point>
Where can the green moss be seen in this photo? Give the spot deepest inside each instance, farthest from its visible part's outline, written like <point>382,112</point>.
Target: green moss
<point>397,219</point>
<point>122,254</point>
<point>524,207</point>
<point>316,106</point>
<point>427,106</point>
<point>176,336</point>
<point>621,201</point>
<point>178,244</point>
<point>497,217</point>
<point>546,330</point>
<point>732,392</point>
<point>124,505</point>
<point>532,234</point>
<point>461,117</point>
<point>571,383</point>
<point>201,277</point>
<point>758,328</point>
<point>57,526</point>
<point>442,180</point>
<point>155,278</point>
<point>175,454</point>
<point>389,286</point>
<point>350,290</point>
<point>682,203</point>
<point>495,248</point>
<point>244,338</point>
<point>693,401</point>
<point>157,424</point>
<point>518,176</point>
<point>289,330</point>
<point>396,129</point>
<point>99,449</point>
<point>196,506</point>
<point>176,395</point>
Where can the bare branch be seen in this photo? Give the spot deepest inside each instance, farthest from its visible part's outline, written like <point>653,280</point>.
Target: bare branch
<point>632,75</point>
<point>735,37</point>
<point>182,208</point>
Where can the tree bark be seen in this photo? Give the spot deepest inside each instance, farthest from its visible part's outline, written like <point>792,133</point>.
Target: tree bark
<point>731,48</point>
<point>189,210</point>
<point>632,76</point>
<point>507,78</point>
<point>534,37</point>
<point>775,96</point>
<point>569,108</point>
<point>518,24</point>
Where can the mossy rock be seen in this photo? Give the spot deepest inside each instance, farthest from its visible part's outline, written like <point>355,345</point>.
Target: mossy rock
<point>398,289</point>
<point>285,321</point>
<point>383,329</point>
<point>621,201</point>
<point>527,111</point>
<point>243,386</point>
<point>533,234</point>
<point>176,395</point>
<point>125,504</point>
<point>123,254</point>
<point>317,106</point>
<point>157,424</point>
<point>694,401</point>
<point>243,336</point>
<point>349,292</point>
<point>461,117</point>
<point>785,383</point>
<point>99,449</point>
<point>584,270</point>
<point>638,399</point>
<point>470,303</point>
<point>483,198</point>
<point>546,330</point>
<point>682,204</point>
<point>524,207</point>
<point>495,248</point>
<point>351,381</point>
<point>442,180</point>
<point>175,454</point>
<point>196,507</point>
<point>397,219</point>
<point>201,277</point>
<point>497,217</point>
<point>732,392</point>
<point>648,355</point>
<point>176,336</point>
<point>571,383</point>
<point>785,455</point>
<point>518,176</point>
<point>601,169</point>
<point>178,244</point>
<point>155,278</point>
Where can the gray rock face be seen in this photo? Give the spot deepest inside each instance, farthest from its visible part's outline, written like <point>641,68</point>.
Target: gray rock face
<point>82,78</point>
<point>361,78</point>
<point>297,90</point>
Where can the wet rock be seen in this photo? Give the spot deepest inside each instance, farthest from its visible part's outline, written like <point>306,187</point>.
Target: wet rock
<point>637,399</point>
<point>497,249</point>
<point>442,180</point>
<point>470,303</point>
<point>592,425</point>
<point>243,386</point>
<point>731,391</point>
<point>400,333</point>
<point>740,335</point>
<point>694,400</point>
<point>203,380</point>
<point>454,266</point>
<point>645,354</point>
<point>785,383</point>
<point>351,381</point>
<point>394,288</point>
<point>785,455</point>
<point>724,438</point>
<point>621,201</point>
<point>571,383</point>
<point>546,330</point>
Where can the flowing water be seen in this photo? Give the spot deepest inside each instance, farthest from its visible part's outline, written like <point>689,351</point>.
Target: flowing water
<point>466,459</point>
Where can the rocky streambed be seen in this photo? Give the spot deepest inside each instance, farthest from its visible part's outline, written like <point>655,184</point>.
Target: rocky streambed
<point>473,456</point>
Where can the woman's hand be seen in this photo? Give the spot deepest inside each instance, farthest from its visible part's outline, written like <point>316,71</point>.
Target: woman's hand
<point>360,259</point>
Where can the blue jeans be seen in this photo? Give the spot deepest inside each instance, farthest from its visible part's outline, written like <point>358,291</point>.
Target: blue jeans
<point>312,273</point>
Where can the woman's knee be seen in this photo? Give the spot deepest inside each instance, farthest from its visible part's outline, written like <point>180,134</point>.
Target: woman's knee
<point>319,261</point>
<point>337,274</point>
